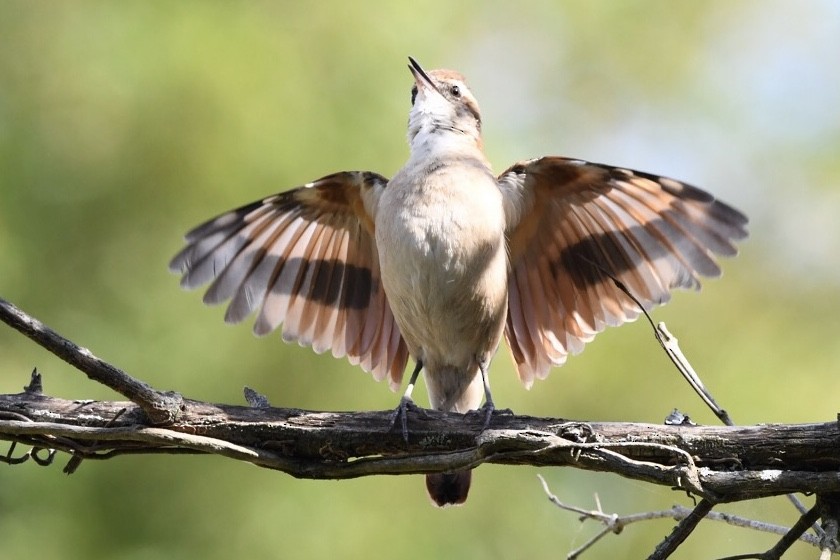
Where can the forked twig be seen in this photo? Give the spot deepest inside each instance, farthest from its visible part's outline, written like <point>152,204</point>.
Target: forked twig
<point>614,523</point>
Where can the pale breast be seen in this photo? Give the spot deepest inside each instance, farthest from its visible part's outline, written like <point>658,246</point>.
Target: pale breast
<point>443,261</point>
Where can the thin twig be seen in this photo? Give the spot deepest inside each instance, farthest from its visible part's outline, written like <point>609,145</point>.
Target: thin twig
<point>670,344</point>
<point>161,407</point>
<point>681,532</point>
<point>800,507</point>
<point>797,532</point>
<point>672,348</point>
<point>614,523</point>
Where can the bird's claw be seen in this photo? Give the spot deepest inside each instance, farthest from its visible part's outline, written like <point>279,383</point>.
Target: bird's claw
<point>488,409</point>
<point>400,415</point>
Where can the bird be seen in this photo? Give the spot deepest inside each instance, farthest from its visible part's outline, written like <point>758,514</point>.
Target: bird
<point>442,261</point>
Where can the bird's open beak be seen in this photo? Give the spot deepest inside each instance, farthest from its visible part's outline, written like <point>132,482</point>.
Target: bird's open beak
<point>422,79</point>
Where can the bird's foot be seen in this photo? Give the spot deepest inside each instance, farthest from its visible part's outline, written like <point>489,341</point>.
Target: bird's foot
<point>488,409</point>
<point>400,415</point>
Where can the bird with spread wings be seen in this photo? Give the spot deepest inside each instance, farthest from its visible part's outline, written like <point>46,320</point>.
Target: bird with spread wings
<point>441,261</point>
<point>306,260</point>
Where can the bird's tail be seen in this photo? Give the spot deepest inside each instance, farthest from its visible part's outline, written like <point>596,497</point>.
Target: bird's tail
<point>449,489</point>
<point>455,392</point>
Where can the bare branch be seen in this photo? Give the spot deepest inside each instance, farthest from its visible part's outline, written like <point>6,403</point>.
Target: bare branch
<point>161,407</point>
<point>706,460</point>
<point>614,523</point>
<point>796,532</point>
<point>719,464</point>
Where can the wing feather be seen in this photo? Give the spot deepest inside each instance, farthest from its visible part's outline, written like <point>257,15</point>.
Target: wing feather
<point>301,314</point>
<point>322,331</point>
<point>305,261</point>
<point>573,226</point>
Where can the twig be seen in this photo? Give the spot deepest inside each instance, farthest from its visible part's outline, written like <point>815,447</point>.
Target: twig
<point>672,348</point>
<point>670,344</point>
<point>684,528</point>
<point>828,505</point>
<point>797,532</point>
<point>614,523</point>
<point>800,507</point>
<point>161,407</point>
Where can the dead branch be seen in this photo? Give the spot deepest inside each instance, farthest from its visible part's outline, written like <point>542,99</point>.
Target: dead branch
<point>718,464</point>
<point>160,407</point>
<point>615,523</point>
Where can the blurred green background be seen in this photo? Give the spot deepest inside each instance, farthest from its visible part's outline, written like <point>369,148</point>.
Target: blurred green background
<point>123,124</point>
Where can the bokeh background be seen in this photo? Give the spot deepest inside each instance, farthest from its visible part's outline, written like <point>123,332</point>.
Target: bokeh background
<point>123,124</point>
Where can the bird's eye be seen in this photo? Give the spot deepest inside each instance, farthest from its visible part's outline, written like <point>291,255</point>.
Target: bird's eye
<point>455,91</point>
<point>413,94</point>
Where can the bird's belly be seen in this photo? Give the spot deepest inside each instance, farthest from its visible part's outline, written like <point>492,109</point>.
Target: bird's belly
<point>446,283</point>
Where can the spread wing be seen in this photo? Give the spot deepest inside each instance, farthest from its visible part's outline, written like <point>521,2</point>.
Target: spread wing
<point>573,224</point>
<point>305,259</point>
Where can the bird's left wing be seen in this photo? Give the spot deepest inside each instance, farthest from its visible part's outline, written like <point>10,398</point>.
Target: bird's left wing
<point>306,259</point>
<point>572,226</point>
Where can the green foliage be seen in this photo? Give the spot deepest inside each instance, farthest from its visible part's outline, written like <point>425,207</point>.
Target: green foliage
<point>123,124</point>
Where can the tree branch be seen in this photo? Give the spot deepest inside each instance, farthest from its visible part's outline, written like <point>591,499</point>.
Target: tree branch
<point>160,407</point>
<point>719,464</point>
<point>615,523</point>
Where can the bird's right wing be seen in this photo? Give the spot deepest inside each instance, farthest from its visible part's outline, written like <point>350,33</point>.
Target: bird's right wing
<point>306,259</point>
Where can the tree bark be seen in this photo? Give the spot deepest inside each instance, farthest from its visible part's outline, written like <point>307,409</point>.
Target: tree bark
<point>716,462</point>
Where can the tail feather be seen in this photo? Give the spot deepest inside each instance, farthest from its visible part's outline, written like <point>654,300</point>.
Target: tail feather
<point>449,488</point>
<point>453,390</point>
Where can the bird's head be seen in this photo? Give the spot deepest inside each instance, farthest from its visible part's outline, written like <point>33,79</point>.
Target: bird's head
<point>443,109</point>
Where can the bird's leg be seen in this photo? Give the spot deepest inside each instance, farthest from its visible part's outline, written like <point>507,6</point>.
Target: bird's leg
<point>401,412</point>
<point>488,408</point>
